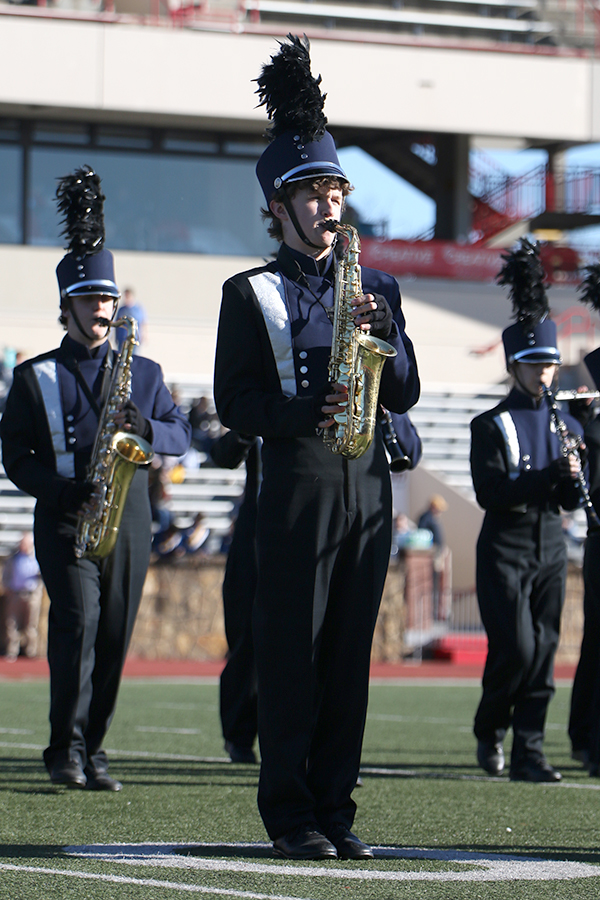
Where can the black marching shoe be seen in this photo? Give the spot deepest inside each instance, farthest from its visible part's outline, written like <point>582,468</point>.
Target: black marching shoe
<point>68,773</point>
<point>101,781</point>
<point>535,770</point>
<point>239,754</point>
<point>304,842</point>
<point>347,844</point>
<point>490,756</point>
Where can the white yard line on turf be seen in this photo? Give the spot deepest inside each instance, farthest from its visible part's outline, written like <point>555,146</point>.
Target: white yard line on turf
<point>476,866</point>
<point>145,882</point>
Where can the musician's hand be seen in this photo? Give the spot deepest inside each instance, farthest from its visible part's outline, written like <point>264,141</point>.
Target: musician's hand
<point>335,402</point>
<point>563,468</point>
<point>75,496</point>
<point>364,308</point>
<point>92,504</point>
<point>129,418</point>
<point>372,313</point>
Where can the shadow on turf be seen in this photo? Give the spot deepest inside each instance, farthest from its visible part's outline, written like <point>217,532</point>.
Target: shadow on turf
<point>558,854</point>
<point>449,771</point>
<point>29,775</point>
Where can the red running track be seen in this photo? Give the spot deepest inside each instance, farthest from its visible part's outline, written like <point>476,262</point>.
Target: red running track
<point>179,668</point>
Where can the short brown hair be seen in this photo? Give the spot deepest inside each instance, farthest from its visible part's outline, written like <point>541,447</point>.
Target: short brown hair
<point>329,181</point>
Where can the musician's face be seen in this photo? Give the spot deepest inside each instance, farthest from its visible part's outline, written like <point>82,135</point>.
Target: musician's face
<point>313,207</point>
<point>89,309</point>
<point>531,376</point>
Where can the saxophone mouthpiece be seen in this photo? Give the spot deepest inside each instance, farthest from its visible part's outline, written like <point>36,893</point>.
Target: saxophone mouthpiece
<point>105,322</point>
<point>331,225</point>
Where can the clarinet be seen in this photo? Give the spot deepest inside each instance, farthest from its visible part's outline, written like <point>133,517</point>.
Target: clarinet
<point>399,461</point>
<point>569,446</point>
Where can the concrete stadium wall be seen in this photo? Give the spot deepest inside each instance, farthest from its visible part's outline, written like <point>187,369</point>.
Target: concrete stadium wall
<point>159,74</point>
<point>182,295</point>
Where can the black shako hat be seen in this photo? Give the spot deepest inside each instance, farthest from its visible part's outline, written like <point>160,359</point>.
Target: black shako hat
<point>300,147</point>
<point>590,294</point>
<point>533,337</point>
<point>87,268</point>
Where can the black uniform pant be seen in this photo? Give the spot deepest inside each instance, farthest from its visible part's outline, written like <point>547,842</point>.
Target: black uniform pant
<point>324,533</point>
<point>93,605</point>
<point>521,574</point>
<point>238,688</point>
<point>584,719</point>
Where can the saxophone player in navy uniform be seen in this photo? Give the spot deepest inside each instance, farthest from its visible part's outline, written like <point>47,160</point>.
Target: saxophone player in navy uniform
<point>324,521</point>
<point>522,478</point>
<point>48,431</point>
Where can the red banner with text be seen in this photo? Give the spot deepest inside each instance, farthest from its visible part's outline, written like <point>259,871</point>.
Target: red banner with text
<point>445,259</point>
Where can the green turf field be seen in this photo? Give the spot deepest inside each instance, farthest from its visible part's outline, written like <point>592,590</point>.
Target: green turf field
<point>186,822</point>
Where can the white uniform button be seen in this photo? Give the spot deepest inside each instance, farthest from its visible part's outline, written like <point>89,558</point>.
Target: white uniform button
<point>72,440</point>
<point>303,354</point>
<point>70,418</point>
<point>304,369</point>
<point>304,383</point>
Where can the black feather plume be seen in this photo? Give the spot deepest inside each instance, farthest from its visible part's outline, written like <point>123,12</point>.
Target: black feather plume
<point>524,273</point>
<point>81,201</point>
<point>590,286</point>
<point>290,93</point>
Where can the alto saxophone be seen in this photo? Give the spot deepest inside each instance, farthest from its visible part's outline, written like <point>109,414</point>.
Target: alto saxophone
<point>115,457</point>
<point>356,359</point>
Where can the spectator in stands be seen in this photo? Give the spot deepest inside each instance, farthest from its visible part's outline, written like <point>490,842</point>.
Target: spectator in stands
<point>205,425</point>
<point>130,307</point>
<point>430,519</point>
<point>195,537</point>
<point>23,588</point>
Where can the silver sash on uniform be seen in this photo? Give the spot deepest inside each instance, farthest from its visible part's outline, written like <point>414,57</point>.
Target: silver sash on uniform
<point>270,293</point>
<point>46,373</point>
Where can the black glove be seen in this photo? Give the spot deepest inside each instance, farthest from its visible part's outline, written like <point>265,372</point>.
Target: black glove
<point>74,495</point>
<point>559,470</point>
<point>133,417</point>
<point>381,318</point>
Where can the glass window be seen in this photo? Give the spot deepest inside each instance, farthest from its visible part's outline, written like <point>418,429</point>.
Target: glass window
<point>187,144</point>
<point>158,202</point>
<point>138,139</point>
<point>11,226</point>
<point>53,133</point>
<point>10,130</point>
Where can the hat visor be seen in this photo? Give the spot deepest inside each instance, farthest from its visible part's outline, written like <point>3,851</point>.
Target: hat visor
<point>317,169</point>
<point>106,288</point>
<point>548,355</point>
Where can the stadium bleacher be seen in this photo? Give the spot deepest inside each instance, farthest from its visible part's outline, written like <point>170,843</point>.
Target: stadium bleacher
<point>442,418</point>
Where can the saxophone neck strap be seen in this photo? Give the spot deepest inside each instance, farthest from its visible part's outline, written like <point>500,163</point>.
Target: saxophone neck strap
<point>73,366</point>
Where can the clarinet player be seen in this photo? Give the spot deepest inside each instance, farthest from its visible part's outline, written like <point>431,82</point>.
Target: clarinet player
<point>48,431</point>
<point>324,522</point>
<point>522,478</point>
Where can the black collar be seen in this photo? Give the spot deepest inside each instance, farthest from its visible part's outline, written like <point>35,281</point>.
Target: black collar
<point>520,400</point>
<point>74,350</point>
<point>291,261</point>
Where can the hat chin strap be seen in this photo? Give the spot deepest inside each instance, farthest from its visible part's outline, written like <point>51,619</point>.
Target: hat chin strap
<point>90,337</point>
<point>294,220</point>
<point>520,383</point>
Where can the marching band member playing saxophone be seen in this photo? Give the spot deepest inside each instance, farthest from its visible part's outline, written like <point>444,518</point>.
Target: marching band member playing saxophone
<point>522,478</point>
<point>48,431</point>
<point>324,521</point>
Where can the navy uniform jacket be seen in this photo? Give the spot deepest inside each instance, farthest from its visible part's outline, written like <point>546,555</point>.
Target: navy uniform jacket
<point>48,427</point>
<point>511,449</point>
<point>274,346</point>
